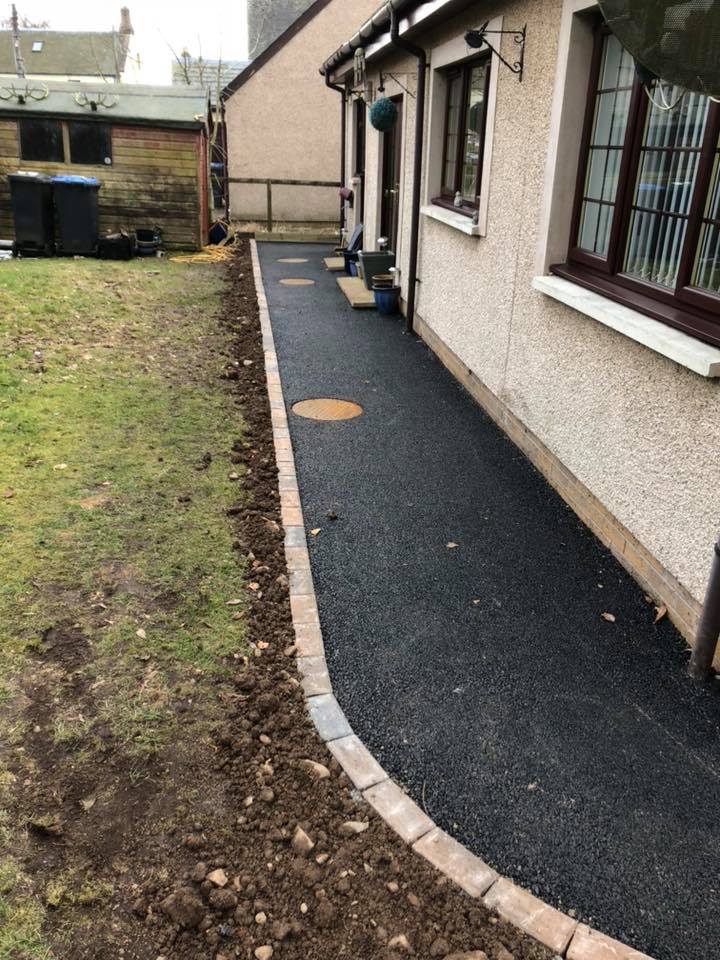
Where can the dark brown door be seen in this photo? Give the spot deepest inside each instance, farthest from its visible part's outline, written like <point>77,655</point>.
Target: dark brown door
<point>360,124</point>
<point>392,155</point>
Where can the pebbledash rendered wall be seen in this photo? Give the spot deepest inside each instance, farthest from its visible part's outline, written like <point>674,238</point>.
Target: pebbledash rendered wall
<point>628,437</point>
<point>284,123</point>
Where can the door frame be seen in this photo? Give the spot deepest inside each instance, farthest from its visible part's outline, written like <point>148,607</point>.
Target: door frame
<point>398,132</point>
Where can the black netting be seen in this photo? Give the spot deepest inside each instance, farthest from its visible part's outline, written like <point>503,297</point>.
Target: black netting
<point>676,41</point>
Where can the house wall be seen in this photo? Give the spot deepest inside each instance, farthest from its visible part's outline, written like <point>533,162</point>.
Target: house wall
<point>156,177</point>
<point>629,437</point>
<point>284,123</point>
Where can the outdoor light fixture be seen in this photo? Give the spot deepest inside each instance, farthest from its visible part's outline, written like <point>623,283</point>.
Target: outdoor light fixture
<point>478,39</point>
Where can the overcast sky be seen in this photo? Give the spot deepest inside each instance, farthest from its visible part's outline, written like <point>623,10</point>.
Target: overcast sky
<point>217,27</point>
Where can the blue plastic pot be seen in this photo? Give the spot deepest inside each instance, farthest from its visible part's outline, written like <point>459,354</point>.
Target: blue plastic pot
<point>353,268</point>
<point>387,299</point>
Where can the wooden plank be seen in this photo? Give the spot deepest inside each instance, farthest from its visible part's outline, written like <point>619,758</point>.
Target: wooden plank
<point>334,264</point>
<point>154,133</point>
<point>358,296</point>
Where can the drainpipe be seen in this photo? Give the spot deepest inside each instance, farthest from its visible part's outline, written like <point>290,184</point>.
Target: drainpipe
<point>343,138</point>
<point>709,627</point>
<point>418,52</point>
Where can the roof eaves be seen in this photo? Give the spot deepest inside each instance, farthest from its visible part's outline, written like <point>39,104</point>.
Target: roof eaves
<point>278,43</point>
<point>375,32</point>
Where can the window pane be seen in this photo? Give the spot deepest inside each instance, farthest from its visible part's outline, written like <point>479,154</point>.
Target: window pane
<point>89,142</point>
<point>602,178</point>
<point>617,66</point>
<point>665,182</point>
<point>453,128</point>
<point>595,223</point>
<point>706,272</point>
<point>474,122</point>
<point>611,113</point>
<point>41,140</point>
<point>610,119</point>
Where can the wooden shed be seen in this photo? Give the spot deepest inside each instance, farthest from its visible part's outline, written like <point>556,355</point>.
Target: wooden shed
<point>148,146</point>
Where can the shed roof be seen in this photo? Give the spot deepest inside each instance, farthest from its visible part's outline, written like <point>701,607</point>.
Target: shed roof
<point>116,102</point>
<point>65,53</point>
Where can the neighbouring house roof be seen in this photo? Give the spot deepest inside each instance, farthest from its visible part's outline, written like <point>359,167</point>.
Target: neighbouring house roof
<point>269,52</point>
<point>375,32</point>
<point>204,73</point>
<point>73,54</point>
<point>125,102</point>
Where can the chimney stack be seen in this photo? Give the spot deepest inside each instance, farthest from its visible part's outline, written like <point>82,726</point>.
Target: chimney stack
<point>126,27</point>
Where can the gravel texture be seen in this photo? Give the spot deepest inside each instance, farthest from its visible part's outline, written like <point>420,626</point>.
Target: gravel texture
<point>570,752</point>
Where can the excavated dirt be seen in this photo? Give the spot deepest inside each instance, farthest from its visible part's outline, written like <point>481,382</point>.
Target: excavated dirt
<point>232,846</point>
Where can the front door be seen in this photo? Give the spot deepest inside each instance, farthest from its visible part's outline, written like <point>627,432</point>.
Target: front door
<point>391,157</point>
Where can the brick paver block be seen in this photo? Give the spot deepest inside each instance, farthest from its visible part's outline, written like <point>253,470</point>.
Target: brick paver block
<point>545,923</point>
<point>308,640</point>
<point>464,868</point>
<point>399,811</point>
<point>290,498</point>
<point>304,609</point>
<point>330,722</point>
<point>316,679</point>
<point>295,536</point>
<point>588,944</point>
<point>301,581</point>
<point>291,516</point>
<point>297,559</point>
<point>357,762</point>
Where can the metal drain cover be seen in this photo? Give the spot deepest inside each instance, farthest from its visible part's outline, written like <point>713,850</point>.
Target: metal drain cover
<point>327,408</point>
<point>292,260</point>
<point>297,282</point>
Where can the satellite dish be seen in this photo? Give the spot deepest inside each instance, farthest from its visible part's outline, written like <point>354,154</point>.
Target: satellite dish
<point>678,42</point>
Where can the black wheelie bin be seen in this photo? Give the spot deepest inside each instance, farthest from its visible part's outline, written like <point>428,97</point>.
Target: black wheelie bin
<point>76,210</point>
<point>32,204</point>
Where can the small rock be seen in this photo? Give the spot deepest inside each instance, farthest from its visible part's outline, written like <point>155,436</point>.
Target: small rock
<point>184,908</point>
<point>322,858</point>
<point>264,953</point>
<point>325,914</point>
<point>224,900</point>
<point>353,827</point>
<point>392,886</point>
<point>261,917</point>
<point>199,872</point>
<point>439,948</point>
<point>316,770</point>
<point>265,739</point>
<point>502,954</point>
<point>303,908</point>
<point>401,943</point>
<point>218,878</point>
<point>267,795</point>
<point>468,955</point>
<point>248,802</point>
<point>301,842</point>
<point>413,900</point>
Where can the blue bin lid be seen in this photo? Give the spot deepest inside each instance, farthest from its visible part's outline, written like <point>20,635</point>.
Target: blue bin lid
<point>73,178</point>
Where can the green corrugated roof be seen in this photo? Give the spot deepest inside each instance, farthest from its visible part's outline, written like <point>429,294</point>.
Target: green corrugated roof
<point>75,54</point>
<point>126,102</point>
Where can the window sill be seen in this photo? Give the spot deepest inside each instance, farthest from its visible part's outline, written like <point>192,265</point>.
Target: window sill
<point>673,344</point>
<point>458,221</point>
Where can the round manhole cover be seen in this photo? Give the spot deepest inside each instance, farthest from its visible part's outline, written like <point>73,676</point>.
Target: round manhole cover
<point>327,408</point>
<point>292,260</point>
<point>297,282</point>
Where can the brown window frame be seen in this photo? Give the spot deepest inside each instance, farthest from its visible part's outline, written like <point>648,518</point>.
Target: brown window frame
<point>685,307</point>
<point>446,197</point>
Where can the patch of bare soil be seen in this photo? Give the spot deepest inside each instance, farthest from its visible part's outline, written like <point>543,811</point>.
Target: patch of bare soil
<point>232,844</point>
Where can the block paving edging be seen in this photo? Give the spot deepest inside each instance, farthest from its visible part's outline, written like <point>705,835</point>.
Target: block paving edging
<point>561,933</point>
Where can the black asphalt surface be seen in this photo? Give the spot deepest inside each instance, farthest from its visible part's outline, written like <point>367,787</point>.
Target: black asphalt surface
<point>571,753</point>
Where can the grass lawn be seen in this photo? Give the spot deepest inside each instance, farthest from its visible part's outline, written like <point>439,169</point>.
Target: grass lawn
<point>117,560</point>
